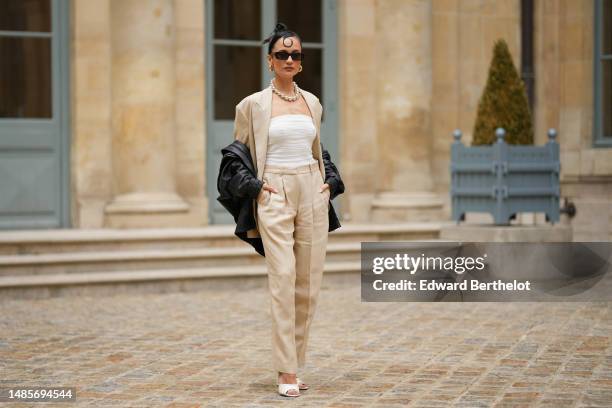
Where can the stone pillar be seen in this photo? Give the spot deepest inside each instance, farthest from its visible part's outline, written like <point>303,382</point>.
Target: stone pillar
<point>90,138</point>
<point>357,91</point>
<point>143,115</point>
<point>404,92</point>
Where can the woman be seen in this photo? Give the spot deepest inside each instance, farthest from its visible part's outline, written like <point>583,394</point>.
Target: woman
<point>280,125</point>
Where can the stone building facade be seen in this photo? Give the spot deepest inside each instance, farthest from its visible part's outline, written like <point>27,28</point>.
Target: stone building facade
<point>408,73</point>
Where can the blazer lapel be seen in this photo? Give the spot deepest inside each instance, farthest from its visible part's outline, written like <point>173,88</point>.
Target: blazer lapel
<point>261,126</point>
<point>316,144</point>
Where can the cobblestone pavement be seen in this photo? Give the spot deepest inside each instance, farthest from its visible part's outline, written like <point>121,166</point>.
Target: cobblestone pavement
<point>212,348</point>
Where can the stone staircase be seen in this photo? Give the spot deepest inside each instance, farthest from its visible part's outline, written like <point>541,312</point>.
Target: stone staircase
<point>44,263</point>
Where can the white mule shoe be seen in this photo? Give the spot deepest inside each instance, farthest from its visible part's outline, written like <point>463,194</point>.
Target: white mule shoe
<point>283,390</point>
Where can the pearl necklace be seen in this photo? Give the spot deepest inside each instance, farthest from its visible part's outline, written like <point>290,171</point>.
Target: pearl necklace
<point>288,98</point>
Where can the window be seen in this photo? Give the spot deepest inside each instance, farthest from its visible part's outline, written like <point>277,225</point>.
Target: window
<point>25,59</point>
<point>603,73</point>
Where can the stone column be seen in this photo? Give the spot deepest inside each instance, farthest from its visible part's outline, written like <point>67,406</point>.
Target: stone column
<point>91,150</point>
<point>357,91</point>
<point>143,115</point>
<point>404,92</point>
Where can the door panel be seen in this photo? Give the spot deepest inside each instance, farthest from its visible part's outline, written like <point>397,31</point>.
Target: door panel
<point>237,19</point>
<point>26,15</point>
<point>25,77</point>
<point>237,74</point>
<point>303,17</point>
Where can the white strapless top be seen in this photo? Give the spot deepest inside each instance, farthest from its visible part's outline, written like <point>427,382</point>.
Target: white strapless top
<point>290,140</point>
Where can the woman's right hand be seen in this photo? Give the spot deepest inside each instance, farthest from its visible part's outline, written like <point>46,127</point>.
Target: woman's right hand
<point>266,187</point>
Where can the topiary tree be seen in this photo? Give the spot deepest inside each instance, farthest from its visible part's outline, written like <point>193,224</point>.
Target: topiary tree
<point>503,103</point>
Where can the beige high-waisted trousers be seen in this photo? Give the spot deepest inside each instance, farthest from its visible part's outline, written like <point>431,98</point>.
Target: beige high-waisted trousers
<point>293,225</point>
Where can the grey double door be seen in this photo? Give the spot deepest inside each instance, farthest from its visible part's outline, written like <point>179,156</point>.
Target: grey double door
<point>33,114</point>
<point>236,67</point>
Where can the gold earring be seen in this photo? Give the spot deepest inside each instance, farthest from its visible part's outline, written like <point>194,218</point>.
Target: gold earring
<point>300,70</point>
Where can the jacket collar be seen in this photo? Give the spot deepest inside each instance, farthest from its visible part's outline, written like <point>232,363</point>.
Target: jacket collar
<point>261,123</point>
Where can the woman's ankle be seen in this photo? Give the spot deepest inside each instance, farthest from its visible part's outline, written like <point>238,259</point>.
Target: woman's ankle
<point>287,377</point>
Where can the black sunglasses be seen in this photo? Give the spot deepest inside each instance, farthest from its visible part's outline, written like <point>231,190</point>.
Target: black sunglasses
<point>284,55</point>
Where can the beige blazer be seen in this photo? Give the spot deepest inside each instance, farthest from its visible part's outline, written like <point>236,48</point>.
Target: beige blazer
<point>252,122</point>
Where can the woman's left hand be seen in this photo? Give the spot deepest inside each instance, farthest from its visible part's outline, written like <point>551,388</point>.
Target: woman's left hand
<point>324,187</point>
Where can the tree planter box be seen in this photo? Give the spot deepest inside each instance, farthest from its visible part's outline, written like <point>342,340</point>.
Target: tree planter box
<point>505,180</point>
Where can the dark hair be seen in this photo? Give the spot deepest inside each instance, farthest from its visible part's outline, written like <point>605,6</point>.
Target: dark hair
<point>280,31</point>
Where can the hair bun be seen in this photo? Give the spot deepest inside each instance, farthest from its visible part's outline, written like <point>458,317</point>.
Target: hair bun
<point>280,31</point>
<point>280,27</point>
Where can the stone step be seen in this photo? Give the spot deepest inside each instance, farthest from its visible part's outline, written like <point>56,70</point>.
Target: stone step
<point>394,214</point>
<point>107,240</point>
<point>84,240</point>
<point>407,200</point>
<point>393,207</point>
<point>138,281</point>
<point>80,262</point>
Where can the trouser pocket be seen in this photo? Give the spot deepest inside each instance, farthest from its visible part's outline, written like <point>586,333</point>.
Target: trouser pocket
<point>276,181</point>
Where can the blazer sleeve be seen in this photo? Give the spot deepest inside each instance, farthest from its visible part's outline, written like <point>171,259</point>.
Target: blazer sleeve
<point>241,124</point>
<point>243,183</point>
<point>332,175</point>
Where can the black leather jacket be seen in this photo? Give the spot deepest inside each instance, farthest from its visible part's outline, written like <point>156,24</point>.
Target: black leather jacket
<point>238,186</point>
